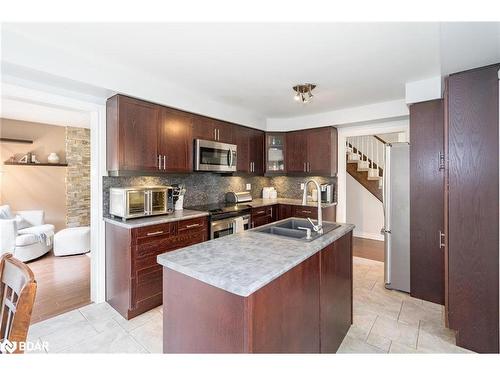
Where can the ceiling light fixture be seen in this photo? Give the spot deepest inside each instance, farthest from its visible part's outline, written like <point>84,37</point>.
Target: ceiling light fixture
<point>303,92</point>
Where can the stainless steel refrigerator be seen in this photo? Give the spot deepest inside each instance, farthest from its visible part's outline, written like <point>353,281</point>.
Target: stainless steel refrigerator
<point>397,216</point>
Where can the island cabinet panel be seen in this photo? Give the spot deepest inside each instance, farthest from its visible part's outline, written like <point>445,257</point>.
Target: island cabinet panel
<point>336,293</point>
<point>286,312</point>
<point>200,318</point>
<point>308,309</point>
<point>133,276</point>
<point>132,134</point>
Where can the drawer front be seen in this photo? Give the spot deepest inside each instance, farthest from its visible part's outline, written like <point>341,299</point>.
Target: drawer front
<point>192,225</point>
<point>148,283</point>
<point>305,212</point>
<point>145,234</point>
<point>262,211</point>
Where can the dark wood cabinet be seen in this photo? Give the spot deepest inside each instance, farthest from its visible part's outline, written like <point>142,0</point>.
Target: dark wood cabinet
<point>296,152</point>
<point>257,152</point>
<point>473,203</point>
<point>274,153</point>
<point>212,129</point>
<point>284,211</point>
<point>132,134</point>
<point>427,201</point>
<point>133,277</point>
<point>262,215</point>
<point>312,152</point>
<point>175,141</point>
<point>328,213</point>
<point>308,309</point>
<point>146,138</point>
<point>250,143</point>
<point>322,151</point>
<point>335,293</point>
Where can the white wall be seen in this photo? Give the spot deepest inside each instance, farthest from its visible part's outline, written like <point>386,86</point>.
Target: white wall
<point>385,111</point>
<point>363,210</point>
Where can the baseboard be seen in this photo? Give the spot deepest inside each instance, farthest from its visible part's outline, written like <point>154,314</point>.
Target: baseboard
<point>369,236</point>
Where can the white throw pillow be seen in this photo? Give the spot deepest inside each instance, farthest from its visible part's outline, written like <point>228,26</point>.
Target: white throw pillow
<point>5,212</point>
<point>21,222</point>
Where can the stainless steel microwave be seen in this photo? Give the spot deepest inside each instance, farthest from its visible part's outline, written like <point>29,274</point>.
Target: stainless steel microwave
<point>133,202</point>
<point>214,156</point>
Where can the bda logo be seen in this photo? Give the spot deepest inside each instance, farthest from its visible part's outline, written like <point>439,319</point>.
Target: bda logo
<point>7,346</point>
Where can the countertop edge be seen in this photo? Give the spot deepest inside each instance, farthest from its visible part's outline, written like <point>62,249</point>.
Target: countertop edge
<point>155,220</point>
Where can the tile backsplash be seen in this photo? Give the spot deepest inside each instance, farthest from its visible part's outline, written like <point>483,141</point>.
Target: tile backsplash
<point>204,188</point>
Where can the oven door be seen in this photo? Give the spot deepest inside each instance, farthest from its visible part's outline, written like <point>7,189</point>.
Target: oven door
<point>214,156</point>
<point>226,227</point>
<point>221,228</point>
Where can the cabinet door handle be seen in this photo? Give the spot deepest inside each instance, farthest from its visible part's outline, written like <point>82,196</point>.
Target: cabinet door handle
<point>308,167</point>
<point>442,239</point>
<point>215,134</point>
<point>192,225</point>
<point>218,134</point>
<point>164,161</point>
<point>159,161</point>
<point>304,166</point>
<point>306,212</point>
<point>154,233</point>
<point>260,212</point>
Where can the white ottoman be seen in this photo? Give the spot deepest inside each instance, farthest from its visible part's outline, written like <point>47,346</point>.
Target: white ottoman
<point>71,241</point>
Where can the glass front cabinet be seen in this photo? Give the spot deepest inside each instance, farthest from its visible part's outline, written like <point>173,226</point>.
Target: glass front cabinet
<point>275,153</point>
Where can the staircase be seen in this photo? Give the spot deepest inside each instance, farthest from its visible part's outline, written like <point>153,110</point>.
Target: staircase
<point>365,162</point>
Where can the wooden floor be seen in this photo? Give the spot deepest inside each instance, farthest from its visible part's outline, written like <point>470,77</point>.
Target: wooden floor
<point>369,249</point>
<point>63,284</point>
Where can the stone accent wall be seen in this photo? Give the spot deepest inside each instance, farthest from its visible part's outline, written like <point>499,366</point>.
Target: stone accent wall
<point>78,177</point>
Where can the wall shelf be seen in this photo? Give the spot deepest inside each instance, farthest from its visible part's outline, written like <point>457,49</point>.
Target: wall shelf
<point>37,164</point>
<point>14,140</point>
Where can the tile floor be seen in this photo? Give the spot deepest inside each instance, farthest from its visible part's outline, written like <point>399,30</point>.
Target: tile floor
<point>388,321</point>
<point>384,322</point>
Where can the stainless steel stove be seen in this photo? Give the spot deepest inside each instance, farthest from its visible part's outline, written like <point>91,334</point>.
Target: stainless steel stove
<point>226,218</point>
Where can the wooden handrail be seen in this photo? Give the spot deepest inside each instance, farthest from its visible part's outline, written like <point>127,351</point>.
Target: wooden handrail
<point>380,139</point>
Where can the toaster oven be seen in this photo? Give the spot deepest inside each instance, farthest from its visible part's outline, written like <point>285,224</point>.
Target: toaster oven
<point>134,202</point>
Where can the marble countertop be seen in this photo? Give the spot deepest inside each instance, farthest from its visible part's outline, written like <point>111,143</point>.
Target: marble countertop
<point>260,202</point>
<point>160,219</point>
<point>245,262</point>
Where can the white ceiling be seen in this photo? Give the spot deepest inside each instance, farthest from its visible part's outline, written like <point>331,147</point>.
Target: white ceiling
<point>254,66</point>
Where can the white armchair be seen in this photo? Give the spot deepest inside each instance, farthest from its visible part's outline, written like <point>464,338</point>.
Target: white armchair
<point>25,234</point>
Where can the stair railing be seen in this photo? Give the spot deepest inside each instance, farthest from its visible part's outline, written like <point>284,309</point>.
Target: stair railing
<point>369,148</point>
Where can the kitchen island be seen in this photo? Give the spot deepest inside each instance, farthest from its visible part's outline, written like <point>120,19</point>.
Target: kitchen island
<point>255,292</point>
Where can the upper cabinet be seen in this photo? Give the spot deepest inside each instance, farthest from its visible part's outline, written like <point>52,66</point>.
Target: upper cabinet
<point>322,151</point>
<point>275,153</point>
<point>132,135</point>
<point>312,152</point>
<point>175,145</point>
<point>250,148</point>
<point>212,130</point>
<point>145,138</point>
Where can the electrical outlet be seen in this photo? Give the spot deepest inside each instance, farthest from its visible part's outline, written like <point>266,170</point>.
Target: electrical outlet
<point>249,186</point>
<point>301,186</point>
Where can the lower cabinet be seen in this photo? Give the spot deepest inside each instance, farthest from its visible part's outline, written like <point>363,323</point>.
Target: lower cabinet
<point>133,277</point>
<point>263,215</point>
<point>284,211</point>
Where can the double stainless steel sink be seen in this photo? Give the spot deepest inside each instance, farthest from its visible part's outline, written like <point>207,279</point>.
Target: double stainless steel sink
<point>290,228</point>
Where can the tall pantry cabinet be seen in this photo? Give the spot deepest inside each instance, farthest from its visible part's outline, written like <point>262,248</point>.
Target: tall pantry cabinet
<point>472,207</point>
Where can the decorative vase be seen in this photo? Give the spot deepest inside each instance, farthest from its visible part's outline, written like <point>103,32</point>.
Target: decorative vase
<point>53,158</point>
